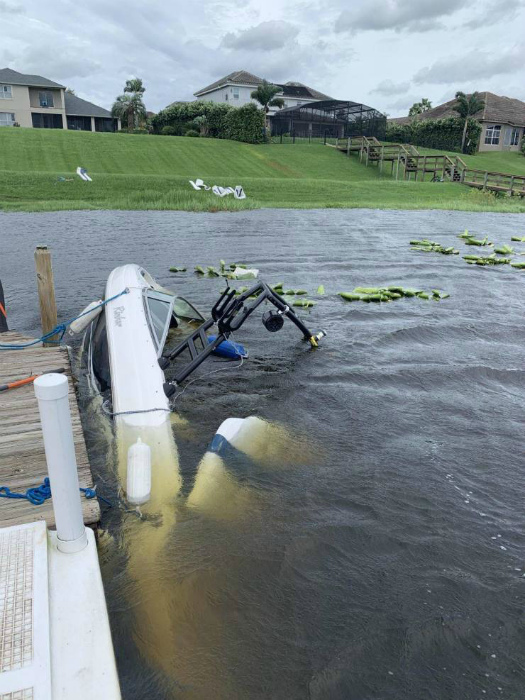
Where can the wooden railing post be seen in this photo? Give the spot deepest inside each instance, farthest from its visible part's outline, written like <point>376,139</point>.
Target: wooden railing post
<point>46,289</point>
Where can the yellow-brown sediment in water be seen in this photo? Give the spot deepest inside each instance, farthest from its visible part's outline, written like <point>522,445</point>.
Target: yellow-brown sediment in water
<point>146,541</point>
<point>176,627</point>
<point>216,492</point>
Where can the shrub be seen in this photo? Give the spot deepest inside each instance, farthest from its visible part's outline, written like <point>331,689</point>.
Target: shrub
<point>169,130</point>
<point>441,134</point>
<point>182,115</point>
<point>245,123</point>
<point>222,120</point>
<point>192,132</point>
<point>522,145</point>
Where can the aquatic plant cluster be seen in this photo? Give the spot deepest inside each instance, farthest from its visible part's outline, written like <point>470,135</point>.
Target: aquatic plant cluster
<point>240,271</point>
<point>385,294</point>
<point>427,246</point>
<point>482,260</point>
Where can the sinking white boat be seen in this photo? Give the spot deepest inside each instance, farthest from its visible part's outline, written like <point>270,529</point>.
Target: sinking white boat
<point>124,346</point>
<point>126,359</point>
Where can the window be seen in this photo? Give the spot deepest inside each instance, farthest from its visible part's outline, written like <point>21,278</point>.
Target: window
<point>226,96</point>
<point>492,135</point>
<point>46,121</point>
<point>6,92</point>
<point>79,123</point>
<point>105,124</point>
<point>512,136</point>
<point>7,118</point>
<point>235,91</point>
<point>46,99</point>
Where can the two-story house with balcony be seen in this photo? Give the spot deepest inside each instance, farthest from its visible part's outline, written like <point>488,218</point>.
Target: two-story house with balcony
<point>35,102</point>
<point>236,89</point>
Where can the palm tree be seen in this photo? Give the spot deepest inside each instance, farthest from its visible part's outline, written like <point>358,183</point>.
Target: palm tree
<point>420,107</point>
<point>135,85</point>
<point>129,109</point>
<point>265,96</point>
<point>202,123</point>
<point>466,106</point>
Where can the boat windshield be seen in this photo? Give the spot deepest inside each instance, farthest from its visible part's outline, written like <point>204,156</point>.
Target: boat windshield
<point>159,308</point>
<point>183,309</point>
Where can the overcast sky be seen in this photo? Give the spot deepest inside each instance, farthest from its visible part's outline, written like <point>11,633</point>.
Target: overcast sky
<point>385,53</point>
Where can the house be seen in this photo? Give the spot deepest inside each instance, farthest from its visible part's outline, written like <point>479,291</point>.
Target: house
<point>39,103</point>
<point>236,89</point>
<point>502,121</point>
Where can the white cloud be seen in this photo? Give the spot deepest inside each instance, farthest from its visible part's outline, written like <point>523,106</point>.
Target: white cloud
<point>399,15</point>
<point>475,65</point>
<point>67,64</point>
<point>10,8</point>
<point>266,36</point>
<point>494,12</point>
<point>388,87</point>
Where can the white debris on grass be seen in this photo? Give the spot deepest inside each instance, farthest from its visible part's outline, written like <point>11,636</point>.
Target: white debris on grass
<point>82,173</point>
<point>238,191</point>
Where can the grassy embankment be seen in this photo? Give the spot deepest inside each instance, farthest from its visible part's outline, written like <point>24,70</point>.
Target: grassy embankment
<point>152,172</point>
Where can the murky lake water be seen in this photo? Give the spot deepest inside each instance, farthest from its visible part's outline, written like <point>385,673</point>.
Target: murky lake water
<point>388,560</point>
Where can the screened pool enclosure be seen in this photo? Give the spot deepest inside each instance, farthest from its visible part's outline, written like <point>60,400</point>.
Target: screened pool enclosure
<point>329,119</point>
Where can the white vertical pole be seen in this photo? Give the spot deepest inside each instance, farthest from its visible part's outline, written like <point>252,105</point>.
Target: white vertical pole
<point>52,393</point>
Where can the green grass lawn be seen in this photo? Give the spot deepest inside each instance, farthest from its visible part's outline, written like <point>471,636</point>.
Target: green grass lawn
<point>152,172</point>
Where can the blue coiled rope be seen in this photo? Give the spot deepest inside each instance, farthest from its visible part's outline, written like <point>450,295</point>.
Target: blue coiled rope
<point>60,329</point>
<point>39,494</point>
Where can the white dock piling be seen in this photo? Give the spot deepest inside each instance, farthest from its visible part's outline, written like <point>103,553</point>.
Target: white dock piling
<point>52,393</point>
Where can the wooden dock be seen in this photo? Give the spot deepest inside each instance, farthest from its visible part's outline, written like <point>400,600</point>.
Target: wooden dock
<point>22,457</point>
<point>406,162</point>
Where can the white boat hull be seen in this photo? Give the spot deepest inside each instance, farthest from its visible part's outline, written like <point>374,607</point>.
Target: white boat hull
<point>140,406</point>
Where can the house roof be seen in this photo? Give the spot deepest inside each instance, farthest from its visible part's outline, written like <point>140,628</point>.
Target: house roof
<point>76,107</point>
<point>13,77</point>
<point>291,89</point>
<point>238,76</point>
<point>497,109</point>
<point>242,77</point>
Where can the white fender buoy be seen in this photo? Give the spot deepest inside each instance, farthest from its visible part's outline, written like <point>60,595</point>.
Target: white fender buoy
<point>91,312</point>
<point>138,487</point>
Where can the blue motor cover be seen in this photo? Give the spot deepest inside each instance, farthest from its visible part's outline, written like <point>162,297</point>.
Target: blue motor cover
<point>229,349</point>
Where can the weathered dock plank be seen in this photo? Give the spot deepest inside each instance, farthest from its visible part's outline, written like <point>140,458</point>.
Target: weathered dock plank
<point>22,457</point>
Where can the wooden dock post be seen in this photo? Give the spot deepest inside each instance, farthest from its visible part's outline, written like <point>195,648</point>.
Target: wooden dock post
<point>3,312</point>
<point>46,289</point>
